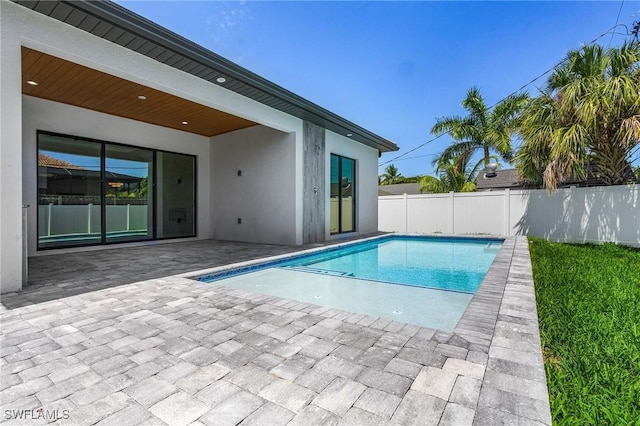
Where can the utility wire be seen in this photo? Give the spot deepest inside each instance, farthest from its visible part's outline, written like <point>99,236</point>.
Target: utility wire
<point>617,19</point>
<point>609,31</point>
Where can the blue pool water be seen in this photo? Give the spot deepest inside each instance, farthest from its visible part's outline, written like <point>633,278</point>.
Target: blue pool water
<point>455,265</point>
<point>417,280</point>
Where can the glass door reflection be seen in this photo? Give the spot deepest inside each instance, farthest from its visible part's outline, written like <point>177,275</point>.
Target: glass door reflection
<point>128,193</point>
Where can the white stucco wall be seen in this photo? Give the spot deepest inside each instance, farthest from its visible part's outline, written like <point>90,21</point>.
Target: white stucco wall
<point>264,196</point>
<point>366,181</point>
<point>11,259</point>
<point>40,114</point>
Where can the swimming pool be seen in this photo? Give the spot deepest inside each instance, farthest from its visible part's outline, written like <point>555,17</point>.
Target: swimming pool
<point>425,281</point>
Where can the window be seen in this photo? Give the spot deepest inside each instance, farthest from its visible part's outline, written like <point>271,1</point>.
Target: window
<point>93,192</point>
<point>343,195</point>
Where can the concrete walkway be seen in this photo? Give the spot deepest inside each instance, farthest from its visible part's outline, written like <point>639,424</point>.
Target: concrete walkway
<point>116,337</point>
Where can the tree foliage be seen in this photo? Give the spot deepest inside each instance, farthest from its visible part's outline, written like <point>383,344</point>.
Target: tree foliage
<point>391,176</point>
<point>483,129</point>
<point>454,174</point>
<point>588,114</point>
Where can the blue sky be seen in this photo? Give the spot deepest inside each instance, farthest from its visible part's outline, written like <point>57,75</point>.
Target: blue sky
<point>394,67</point>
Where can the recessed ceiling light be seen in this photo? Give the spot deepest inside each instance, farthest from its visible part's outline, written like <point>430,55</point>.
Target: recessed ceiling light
<point>31,82</point>
<point>142,97</point>
<point>349,134</point>
<point>185,122</point>
<point>221,80</point>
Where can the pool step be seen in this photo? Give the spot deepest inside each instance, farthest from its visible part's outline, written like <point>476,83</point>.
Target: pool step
<point>319,271</point>
<point>491,247</point>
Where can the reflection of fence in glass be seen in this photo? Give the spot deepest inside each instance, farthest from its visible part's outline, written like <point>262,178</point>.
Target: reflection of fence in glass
<point>347,214</point>
<point>84,220</point>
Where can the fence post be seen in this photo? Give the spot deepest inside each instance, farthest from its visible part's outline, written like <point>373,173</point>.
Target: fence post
<point>89,218</point>
<point>49,219</point>
<point>507,212</point>
<point>128,217</point>
<point>452,217</point>
<point>406,212</point>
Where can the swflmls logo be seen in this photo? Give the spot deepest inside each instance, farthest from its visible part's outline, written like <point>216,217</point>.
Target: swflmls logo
<point>38,414</point>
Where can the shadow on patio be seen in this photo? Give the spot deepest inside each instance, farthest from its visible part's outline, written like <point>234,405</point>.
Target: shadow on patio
<point>57,276</point>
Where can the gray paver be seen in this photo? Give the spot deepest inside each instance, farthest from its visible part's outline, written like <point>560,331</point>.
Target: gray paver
<point>269,415</point>
<point>290,369</point>
<point>339,396</point>
<point>339,367</point>
<point>436,382</point>
<point>179,409</point>
<point>382,380</point>
<point>176,372</point>
<point>376,356</point>
<point>287,394</point>
<point>131,415</point>
<point>466,391</point>
<point>358,417</point>
<point>250,378</point>
<point>314,415</point>
<point>380,403</point>
<point>418,408</point>
<point>464,368</point>
<point>150,391</point>
<point>457,415</point>
<point>315,380</point>
<point>233,410</point>
<point>404,368</point>
<point>217,392</point>
<point>202,377</point>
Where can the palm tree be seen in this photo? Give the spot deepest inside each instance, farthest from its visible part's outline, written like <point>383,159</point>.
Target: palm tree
<point>588,114</point>
<point>391,175</point>
<point>453,175</point>
<point>483,129</point>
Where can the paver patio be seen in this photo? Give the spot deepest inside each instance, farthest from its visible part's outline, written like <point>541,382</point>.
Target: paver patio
<point>122,337</point>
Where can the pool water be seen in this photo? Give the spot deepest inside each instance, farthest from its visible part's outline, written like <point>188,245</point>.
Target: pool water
<point>455,265</point>
<point>418,280</point>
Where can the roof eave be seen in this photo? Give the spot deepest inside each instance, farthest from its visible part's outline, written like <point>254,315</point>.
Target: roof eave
<point>140,27</point>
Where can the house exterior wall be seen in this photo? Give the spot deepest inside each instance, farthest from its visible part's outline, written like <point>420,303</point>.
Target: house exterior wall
<point>263,196</point>
<point>315,175</point>
<point>40,114</point>
<point>366,182</point>
<point>11,258</point>
<point>271,155</point>
<point>22,27</point>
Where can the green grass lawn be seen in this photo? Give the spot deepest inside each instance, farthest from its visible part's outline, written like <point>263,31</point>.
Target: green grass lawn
<point>589,311</point>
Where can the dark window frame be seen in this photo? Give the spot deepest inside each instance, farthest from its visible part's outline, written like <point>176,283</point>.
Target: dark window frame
<point>353,193</point>
<point>104,143</point>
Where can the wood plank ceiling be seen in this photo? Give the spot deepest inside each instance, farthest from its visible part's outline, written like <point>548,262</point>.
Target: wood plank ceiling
<point>70,83</point>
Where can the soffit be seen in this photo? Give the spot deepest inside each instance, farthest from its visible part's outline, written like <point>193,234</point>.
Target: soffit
<point>118,25</point>
<point>70,83</point>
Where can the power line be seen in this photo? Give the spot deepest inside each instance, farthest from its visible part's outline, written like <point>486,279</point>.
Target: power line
<point>617,19</point>
<point>609,31</point>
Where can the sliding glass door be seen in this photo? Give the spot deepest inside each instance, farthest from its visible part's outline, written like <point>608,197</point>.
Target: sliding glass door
<point>69,192</point>
<point>92,192</point>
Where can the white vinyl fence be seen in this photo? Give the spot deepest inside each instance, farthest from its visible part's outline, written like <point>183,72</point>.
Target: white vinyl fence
<point>593,215</point>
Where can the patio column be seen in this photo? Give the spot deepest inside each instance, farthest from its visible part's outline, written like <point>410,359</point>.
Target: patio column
<point>11,257</point>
